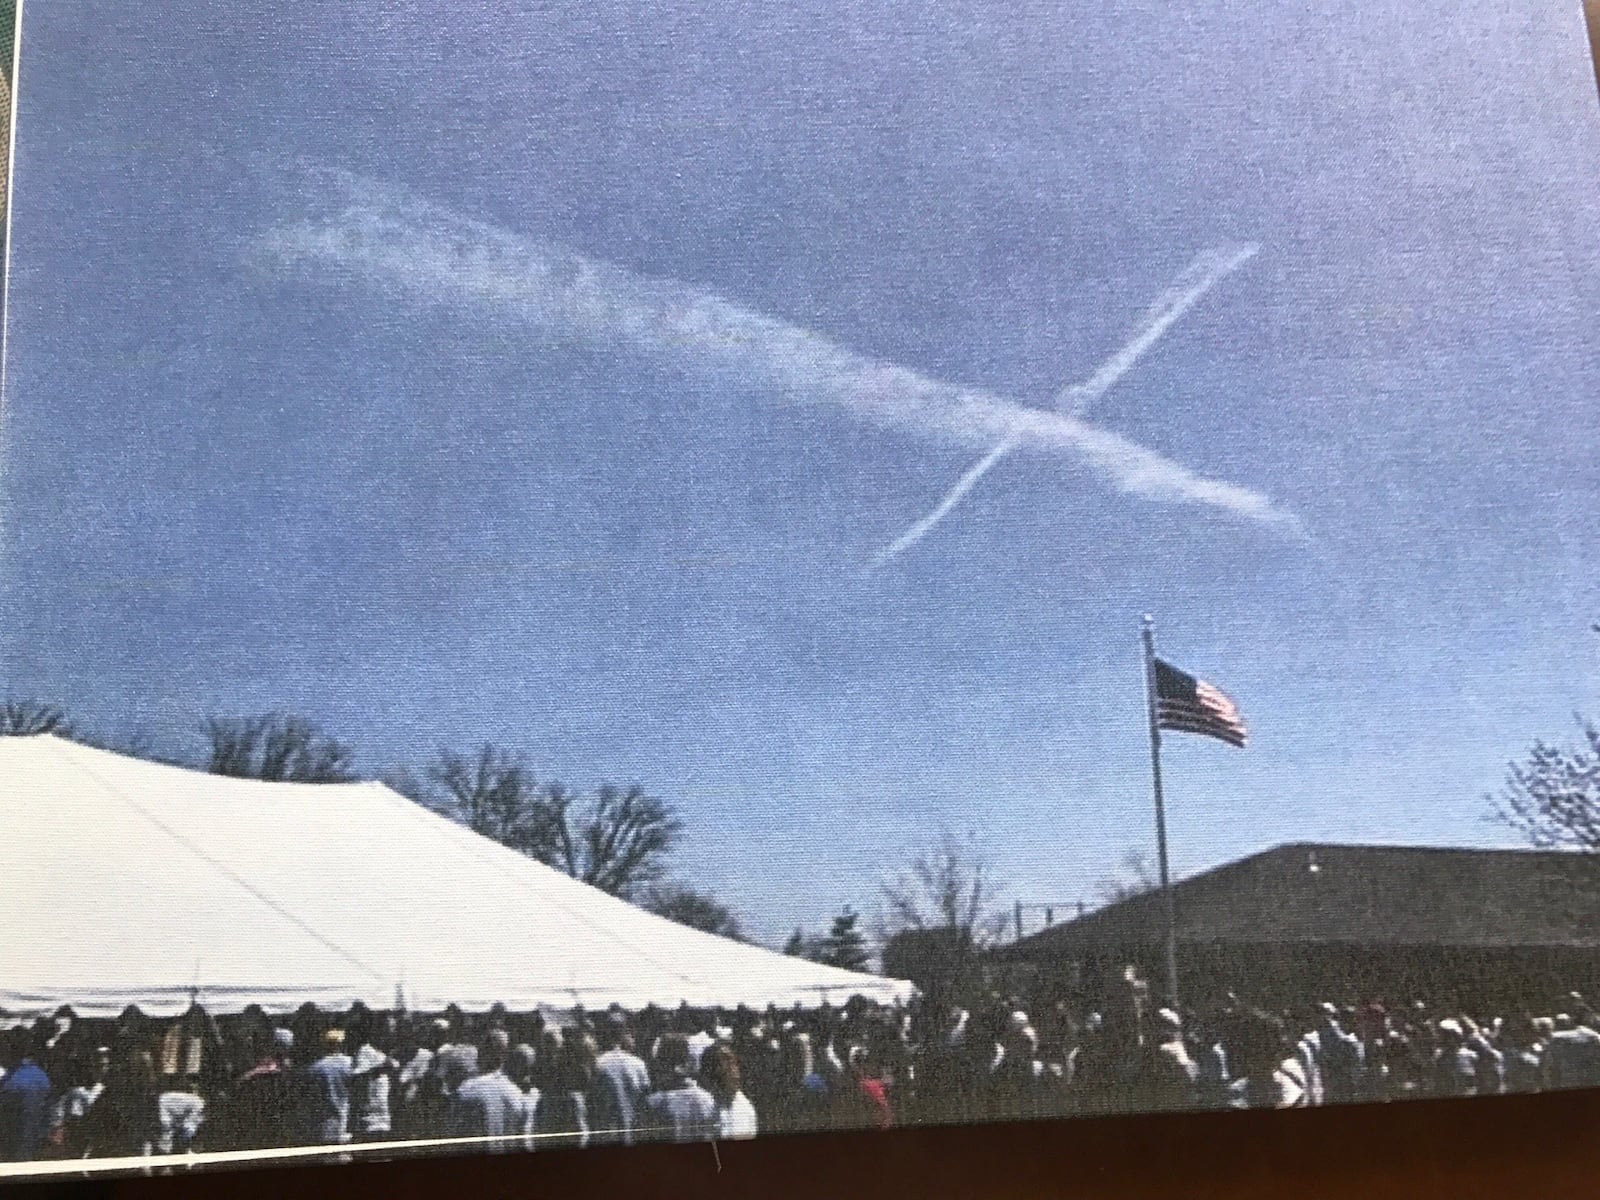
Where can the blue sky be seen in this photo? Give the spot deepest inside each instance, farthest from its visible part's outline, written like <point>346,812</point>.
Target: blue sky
<point>250,463</point>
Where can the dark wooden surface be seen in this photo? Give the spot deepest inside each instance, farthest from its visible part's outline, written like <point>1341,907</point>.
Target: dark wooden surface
<point>1511,1147</point>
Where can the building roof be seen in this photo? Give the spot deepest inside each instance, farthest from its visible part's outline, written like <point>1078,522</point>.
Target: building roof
<point>131,882</point>
<point>1360,896</point>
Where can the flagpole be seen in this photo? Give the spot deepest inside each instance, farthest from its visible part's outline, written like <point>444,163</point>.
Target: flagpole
<point>1161,812</point>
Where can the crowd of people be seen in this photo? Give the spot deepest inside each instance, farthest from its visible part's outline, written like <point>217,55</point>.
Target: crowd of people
<point>73,1088</point>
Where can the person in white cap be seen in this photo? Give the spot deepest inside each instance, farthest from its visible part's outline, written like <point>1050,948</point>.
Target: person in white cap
<point>371,1081</point>
<point>1017,1082</point>
<point>1455,1067</point>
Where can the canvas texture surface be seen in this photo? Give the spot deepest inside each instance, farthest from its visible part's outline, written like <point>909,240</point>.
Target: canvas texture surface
<point>590,573</point>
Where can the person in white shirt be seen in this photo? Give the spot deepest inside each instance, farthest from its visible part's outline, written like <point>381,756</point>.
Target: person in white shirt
<point>1340,1058</point>
<point>1171,1073</point>
<point>416,1099</point>
<point>681,1110</point>
<point>180,1111</point>
<point>74,1105</point>
<point>621,1082</point>
<point>520,1065</point>
<point>490,1104</point>
<point>1306,1051</point>
<point>1572,1053</point>
<point>413,1071</point>
<point>1490,1063</point>
<point>701,1040</point>
<point>372,1075</point>
<point>1269,1073</point>
<point>719,1075</point>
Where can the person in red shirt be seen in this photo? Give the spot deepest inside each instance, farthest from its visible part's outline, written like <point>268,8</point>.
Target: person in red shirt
<point>864,1098</point>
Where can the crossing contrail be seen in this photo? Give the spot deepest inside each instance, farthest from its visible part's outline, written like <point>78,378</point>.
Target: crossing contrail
<point>345,229</point>
<point>965,484</point>
<point>1196,279</point>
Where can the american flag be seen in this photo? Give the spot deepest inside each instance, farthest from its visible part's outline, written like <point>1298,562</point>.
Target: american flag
<point>1189,705</point>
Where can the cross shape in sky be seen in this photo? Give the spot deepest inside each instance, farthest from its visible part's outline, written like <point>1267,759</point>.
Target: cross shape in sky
<point>1074,400</point>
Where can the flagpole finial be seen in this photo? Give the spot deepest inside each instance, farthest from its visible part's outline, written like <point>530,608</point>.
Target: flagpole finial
<point>1148,620</point>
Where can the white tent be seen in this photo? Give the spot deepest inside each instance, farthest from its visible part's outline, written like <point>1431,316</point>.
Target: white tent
<point>129,882</point>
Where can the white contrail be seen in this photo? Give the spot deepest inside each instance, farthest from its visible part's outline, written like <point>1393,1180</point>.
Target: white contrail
<point>1074,401</point>
<point>953,497</point>
<point>420,255</point>
<point>1198,278</point>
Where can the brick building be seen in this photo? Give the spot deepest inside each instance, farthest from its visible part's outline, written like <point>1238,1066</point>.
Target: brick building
<point>1304,922</point>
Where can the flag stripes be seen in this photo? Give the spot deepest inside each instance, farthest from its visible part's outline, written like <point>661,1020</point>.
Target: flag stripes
<point>1185,704</point>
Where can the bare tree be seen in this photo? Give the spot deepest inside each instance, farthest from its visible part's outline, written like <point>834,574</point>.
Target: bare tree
<point>694,908</point>
<point>276,746</point>
<point>949,887</point>
<point>492,793</point>
<point>1136,877</point>
<point>1552,796</point>
<point>940,915</point>
<point>617,840</point>
<point>24,718</point>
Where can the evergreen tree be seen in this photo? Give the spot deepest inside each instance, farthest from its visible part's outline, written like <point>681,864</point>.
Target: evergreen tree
<point>844,946</point>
